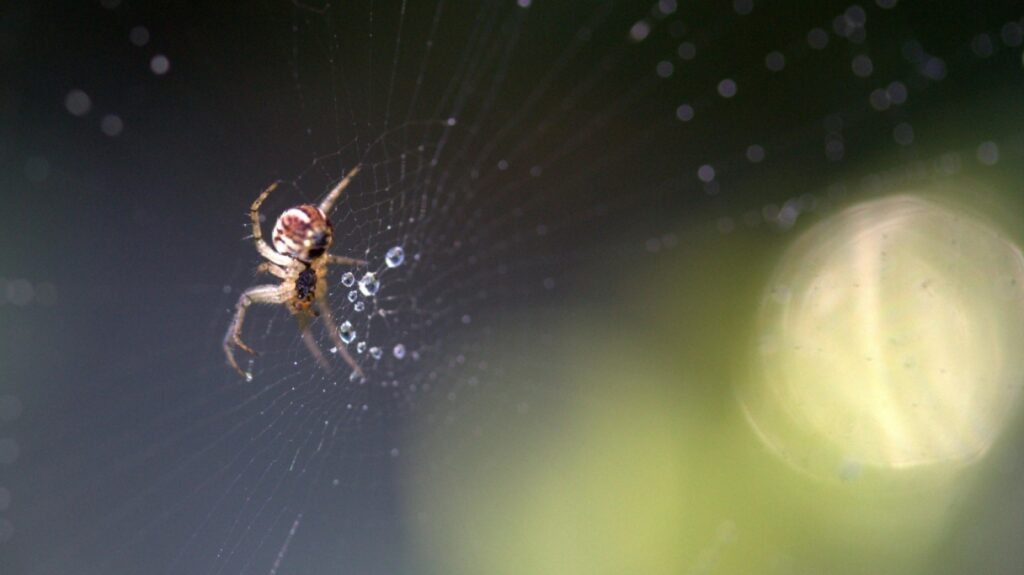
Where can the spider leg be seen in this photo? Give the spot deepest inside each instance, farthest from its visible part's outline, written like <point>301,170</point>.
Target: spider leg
<point>332,332</point>
<point>328,203</point>
<point>257,234</point>
<point>272,269</point>
<point>257,294</point>
<point>342,260</point>
<point>304,319</point>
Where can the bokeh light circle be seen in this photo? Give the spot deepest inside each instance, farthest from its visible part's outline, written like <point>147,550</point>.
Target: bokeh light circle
<point>888,339</point>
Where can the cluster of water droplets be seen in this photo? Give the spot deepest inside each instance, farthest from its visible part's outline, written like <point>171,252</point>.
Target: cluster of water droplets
<point>368,286</point>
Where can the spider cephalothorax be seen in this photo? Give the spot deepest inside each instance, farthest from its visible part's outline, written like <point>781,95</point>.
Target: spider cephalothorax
<point>302,237</point>
<point>303,233</point>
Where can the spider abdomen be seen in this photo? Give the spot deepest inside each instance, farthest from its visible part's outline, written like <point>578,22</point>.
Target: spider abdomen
<point>305,285</point>
<point>303,232</point>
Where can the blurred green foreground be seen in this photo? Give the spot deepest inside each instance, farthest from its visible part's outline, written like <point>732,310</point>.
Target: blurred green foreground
<point>824,402</point>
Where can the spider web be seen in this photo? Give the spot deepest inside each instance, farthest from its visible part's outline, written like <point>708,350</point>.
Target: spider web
<point>509,149</point>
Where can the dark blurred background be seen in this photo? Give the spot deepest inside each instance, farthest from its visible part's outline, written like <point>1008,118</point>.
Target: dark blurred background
<point>593,199</point>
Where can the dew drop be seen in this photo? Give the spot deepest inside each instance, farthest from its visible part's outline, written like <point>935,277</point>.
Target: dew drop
<point>862,66</point>
<point>775,61</point>
<point>399,351</point>
<point>139,36</point>
<point>353,295</point>
<point>687,51</point>
<point>78,102</point>
<point>395,257</point>
<point>348,279</point>
<point>817,38</point>
<point>988,153</point>
<point>359,306</point>
<point>361,347</point>
<point>159,64</point>
<point>640,31</point>
<point>369,284</point>
<point>376,352</point>
<point>111,125</point>
<point>346,332</point>
<point>727,88</point>
<point>755,153</point>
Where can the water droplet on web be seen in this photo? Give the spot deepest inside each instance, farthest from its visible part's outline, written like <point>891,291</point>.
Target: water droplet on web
<point>727,88</point>
<point>348,279</point>
<point>353,295</point>
<point>395,257</point>
<point>139,36</point>
<point>755,153</point>
<point>369,284</point>
<point>862,66</point>
<point>375,352</point>
<point>687,51</point>
<point>248,376</point>
<point>361,347</point>
<point>988,153</point>
<point>360,306</point>
<point>639,31</point>
<point>896,92</point>
<point>817,38</point>
<point>111,125</point>
<point>159,64</point>
<point>78,102</point>
<point>399,351</point>
<point>346,332</point>
<point>903,133</point>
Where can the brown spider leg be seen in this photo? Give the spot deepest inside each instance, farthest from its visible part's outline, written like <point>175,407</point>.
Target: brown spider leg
<point>307,338</point>
<point>272,269</point>
<point>328,203</point>
<point>257,294</point>
<point>332,332</point>
<point>257,234</point>
<point>342,260</point>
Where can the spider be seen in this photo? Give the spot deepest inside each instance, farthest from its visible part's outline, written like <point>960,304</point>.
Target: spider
<point>302,237</point>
